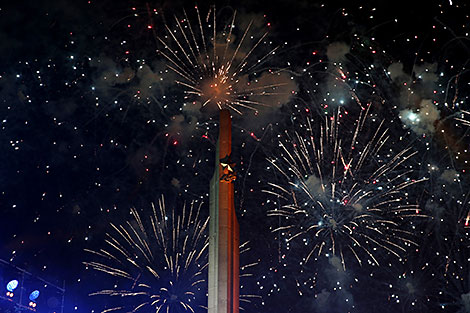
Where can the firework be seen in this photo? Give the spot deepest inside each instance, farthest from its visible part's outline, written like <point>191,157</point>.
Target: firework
<point>162,261</point>
<point>217,67</point>
<point>344,191</point>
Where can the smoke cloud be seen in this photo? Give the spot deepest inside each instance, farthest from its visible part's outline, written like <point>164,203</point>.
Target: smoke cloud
<point>314,185</point>
<point>112,79</point>
<point>181,128</point>
<point>465,298</point>
<point>422,120</point>
<point>450,176</point>
<point>336,51</point>
<point>395,70</point>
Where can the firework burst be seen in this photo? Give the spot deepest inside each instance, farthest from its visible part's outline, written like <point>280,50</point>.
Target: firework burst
<point>162,261</point>
<point>217,67</point>
<point>345,192</point>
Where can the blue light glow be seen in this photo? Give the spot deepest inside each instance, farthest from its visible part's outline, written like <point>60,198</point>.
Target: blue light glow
<point>12,285</point>
<point>34,295</point>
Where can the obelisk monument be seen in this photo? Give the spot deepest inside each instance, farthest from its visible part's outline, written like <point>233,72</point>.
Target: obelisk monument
<point>224,276</point>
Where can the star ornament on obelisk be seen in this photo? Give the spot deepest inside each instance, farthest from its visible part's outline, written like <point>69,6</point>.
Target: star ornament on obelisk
<point>224,276</point>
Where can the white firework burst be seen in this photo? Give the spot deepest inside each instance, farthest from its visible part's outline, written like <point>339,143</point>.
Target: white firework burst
<point>161,260</point>
<point>218,67</point>
<point>342,191</point>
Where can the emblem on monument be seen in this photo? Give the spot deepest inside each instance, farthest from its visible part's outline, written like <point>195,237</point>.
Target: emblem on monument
<point>228,173</point>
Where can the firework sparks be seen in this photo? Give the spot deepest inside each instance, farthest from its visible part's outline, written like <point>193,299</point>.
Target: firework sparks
<point>464,118</point>
<point>345,193</point>
<point>214,66</point>
<point>162,260</point>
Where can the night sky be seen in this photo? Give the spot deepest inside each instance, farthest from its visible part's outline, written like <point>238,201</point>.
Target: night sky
<point>350,138</point>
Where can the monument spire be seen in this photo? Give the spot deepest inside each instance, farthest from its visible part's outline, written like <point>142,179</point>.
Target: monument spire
<point>224,275</point>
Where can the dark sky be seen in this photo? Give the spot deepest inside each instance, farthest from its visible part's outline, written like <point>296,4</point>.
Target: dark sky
<point>93,123</point>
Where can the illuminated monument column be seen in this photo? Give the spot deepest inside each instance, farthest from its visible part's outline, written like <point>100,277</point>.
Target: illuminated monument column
<point>223,228</point>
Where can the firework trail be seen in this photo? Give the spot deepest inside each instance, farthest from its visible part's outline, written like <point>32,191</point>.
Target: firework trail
<point>344,191</point>
<point>463,117</point>
<point>217,67</point>
<point>162,260</point>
